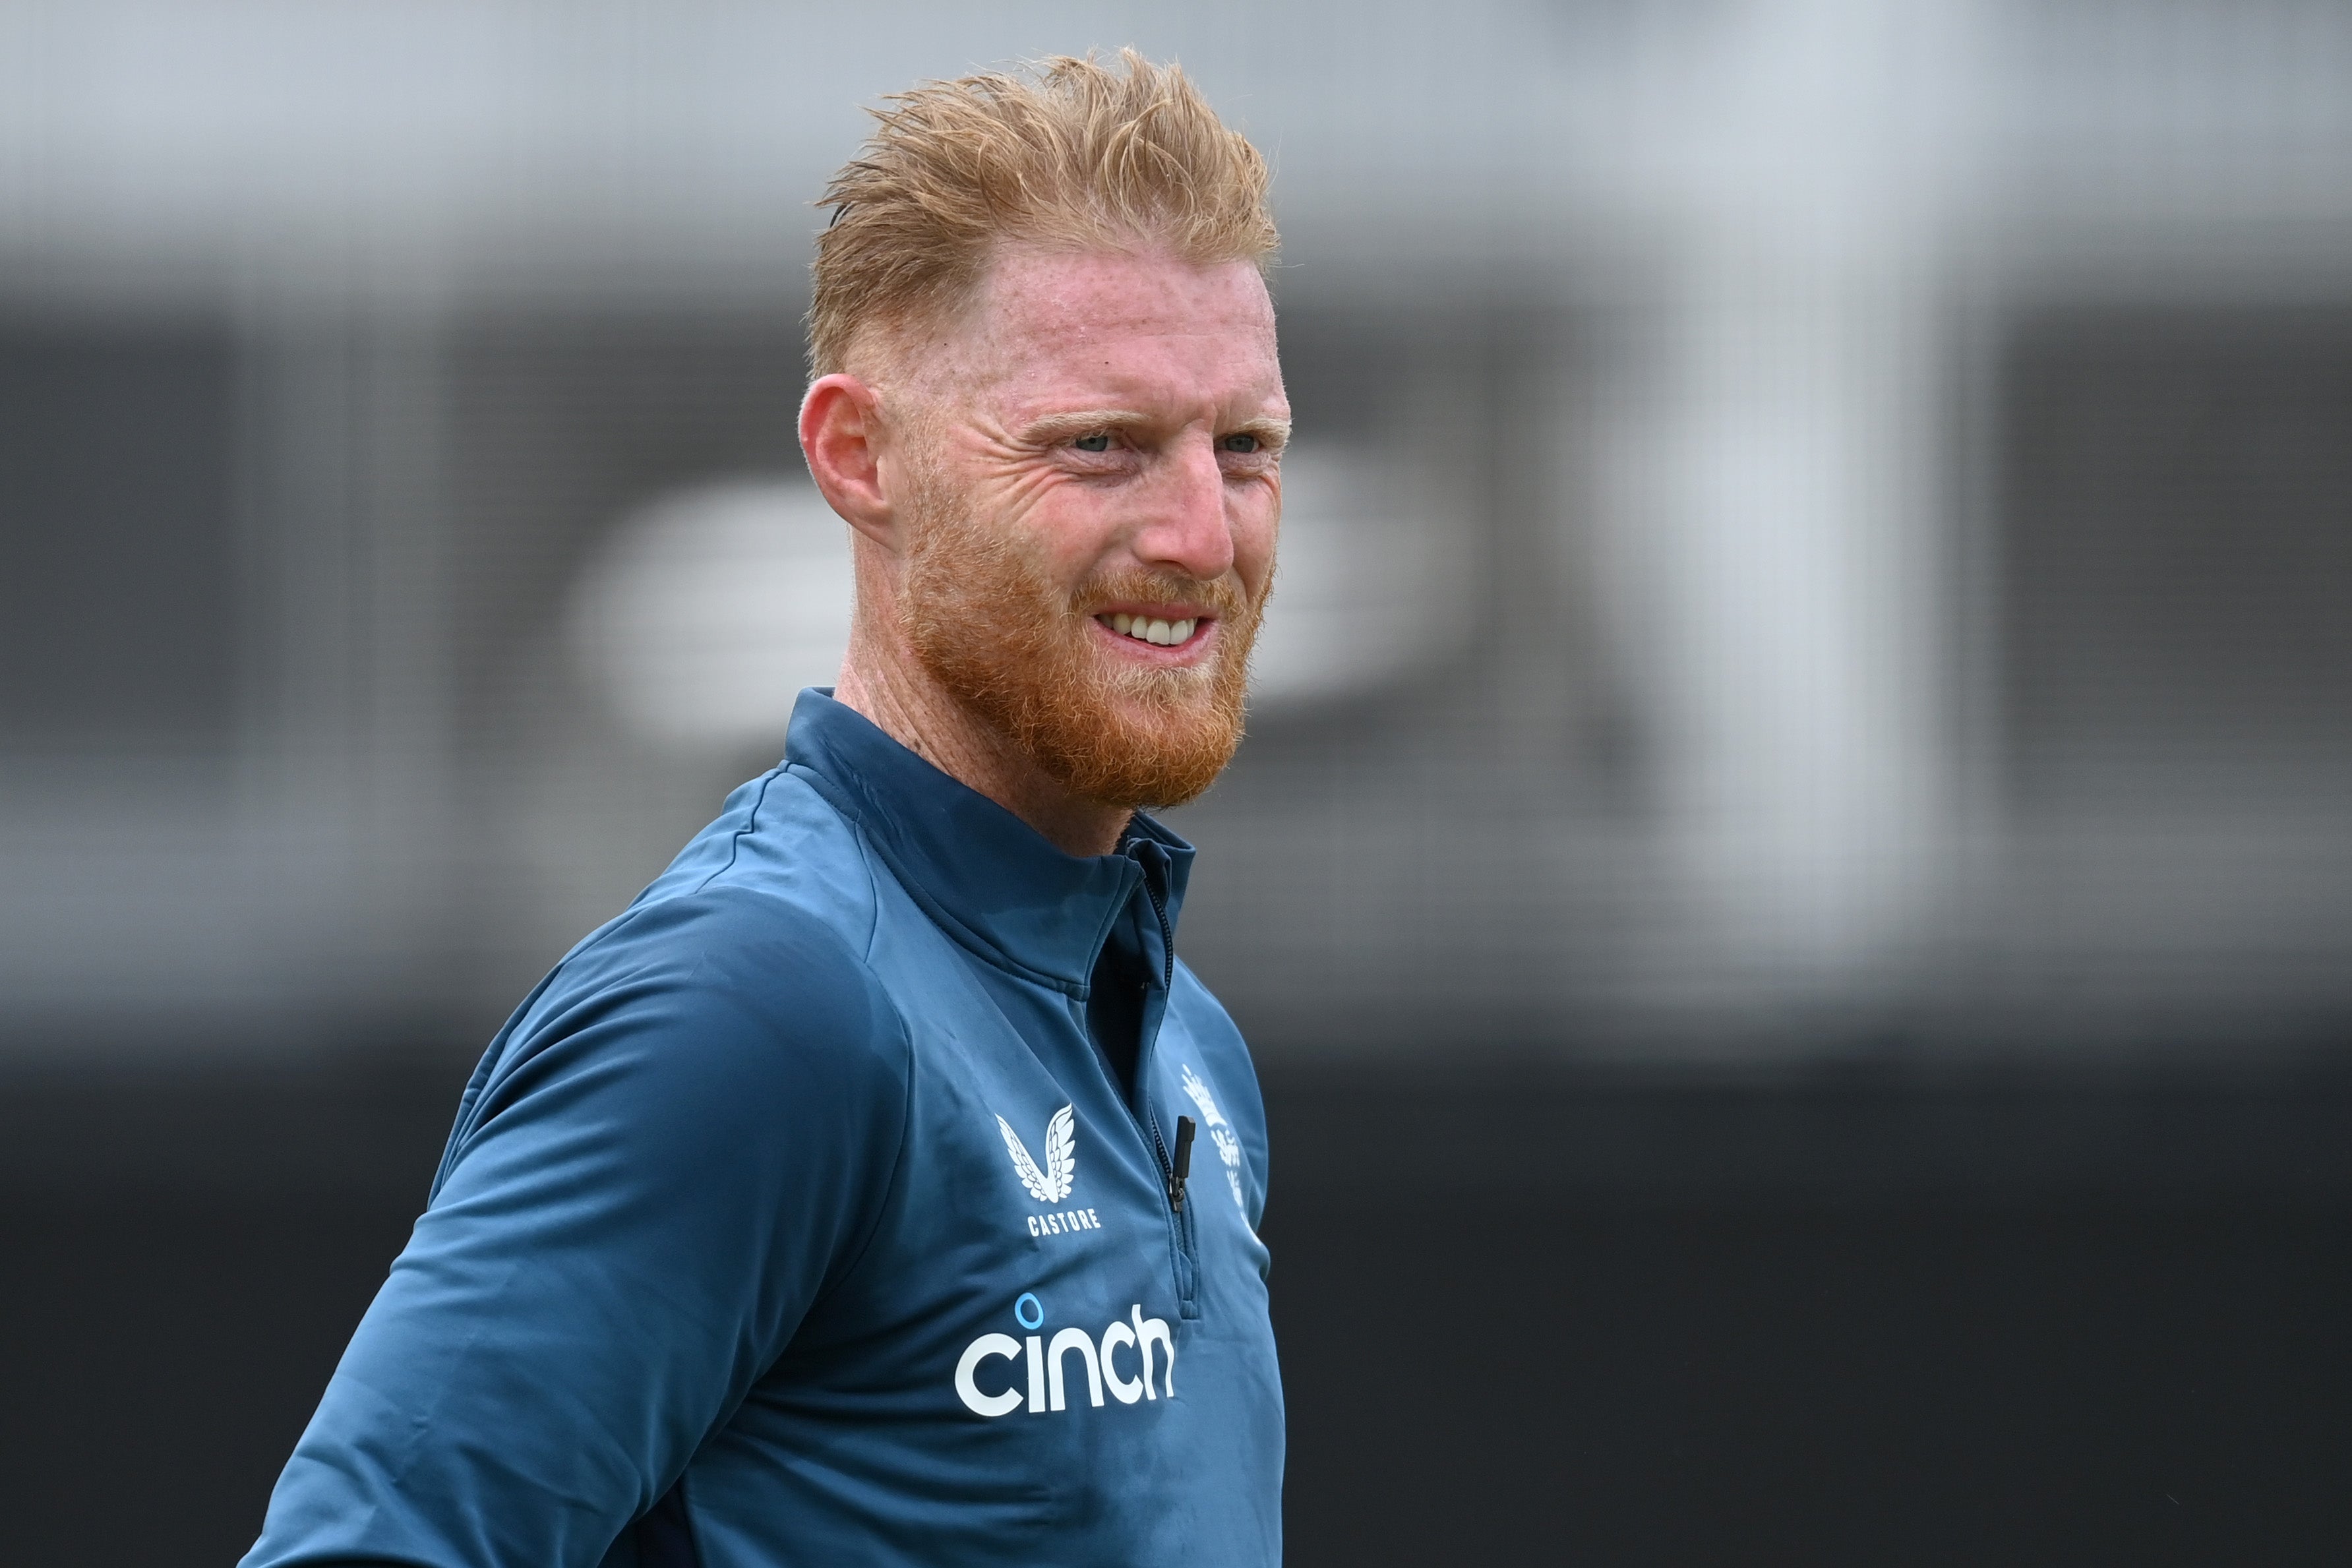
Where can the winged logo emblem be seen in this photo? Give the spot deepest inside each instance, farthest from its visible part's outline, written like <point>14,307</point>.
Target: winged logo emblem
<point>1050,1185</point>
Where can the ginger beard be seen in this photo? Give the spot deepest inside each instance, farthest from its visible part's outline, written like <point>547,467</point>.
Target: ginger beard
<point>1022,656</point>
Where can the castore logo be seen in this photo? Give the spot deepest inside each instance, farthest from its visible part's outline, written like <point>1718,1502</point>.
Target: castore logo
<point>1050,1185</point>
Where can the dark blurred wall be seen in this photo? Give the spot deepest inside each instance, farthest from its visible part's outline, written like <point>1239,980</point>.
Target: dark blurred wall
<point>1527,1317</point>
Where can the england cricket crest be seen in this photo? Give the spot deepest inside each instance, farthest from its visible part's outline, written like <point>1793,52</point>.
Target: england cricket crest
<point>1221,1133</point>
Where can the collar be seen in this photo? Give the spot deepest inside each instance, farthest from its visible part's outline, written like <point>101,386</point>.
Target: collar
<point>995,883</point>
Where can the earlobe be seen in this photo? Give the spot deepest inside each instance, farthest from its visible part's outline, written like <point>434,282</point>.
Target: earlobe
<point>841,438</point>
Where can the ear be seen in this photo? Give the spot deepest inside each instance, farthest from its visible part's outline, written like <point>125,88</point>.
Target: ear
<point>841,436</point>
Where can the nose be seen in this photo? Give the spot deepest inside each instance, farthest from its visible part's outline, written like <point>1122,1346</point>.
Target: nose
<point>1186,528</point>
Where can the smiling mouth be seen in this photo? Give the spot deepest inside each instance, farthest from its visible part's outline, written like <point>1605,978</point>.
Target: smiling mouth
<point>1144,628</point>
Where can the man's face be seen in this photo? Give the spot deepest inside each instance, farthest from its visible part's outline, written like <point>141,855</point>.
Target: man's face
<point>1097,493</point>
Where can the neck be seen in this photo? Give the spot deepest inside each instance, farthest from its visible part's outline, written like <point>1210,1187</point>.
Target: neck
<point>909,707</point>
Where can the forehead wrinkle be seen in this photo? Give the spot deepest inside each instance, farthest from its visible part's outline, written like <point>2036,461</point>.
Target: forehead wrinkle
<point>1133,294</point>
<point>995,347</point>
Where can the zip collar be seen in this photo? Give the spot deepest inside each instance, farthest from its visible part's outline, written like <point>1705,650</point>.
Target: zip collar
<point>995,883</point>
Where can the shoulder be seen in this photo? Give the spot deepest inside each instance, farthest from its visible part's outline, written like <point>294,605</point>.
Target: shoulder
<point>696,1011</point>
<point>725,947</point>
<point>762,927</point>
<point>776,836</point>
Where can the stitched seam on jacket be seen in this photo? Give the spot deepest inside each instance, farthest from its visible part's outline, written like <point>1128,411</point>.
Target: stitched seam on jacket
<point>750,825</point>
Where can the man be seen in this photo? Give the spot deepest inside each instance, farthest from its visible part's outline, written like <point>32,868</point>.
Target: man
<point>831,1204</point>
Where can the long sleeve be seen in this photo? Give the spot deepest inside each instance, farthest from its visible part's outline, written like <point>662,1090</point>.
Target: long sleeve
<point>676,1148</point>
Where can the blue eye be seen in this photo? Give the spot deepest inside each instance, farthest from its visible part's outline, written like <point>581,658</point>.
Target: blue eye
<point>1098,442</point>
<point>1243,443</point>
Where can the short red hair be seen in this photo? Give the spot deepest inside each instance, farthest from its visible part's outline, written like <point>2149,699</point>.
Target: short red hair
<point>1068,153</point>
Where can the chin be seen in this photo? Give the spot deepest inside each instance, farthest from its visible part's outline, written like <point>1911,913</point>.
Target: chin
<point>1138,755</point>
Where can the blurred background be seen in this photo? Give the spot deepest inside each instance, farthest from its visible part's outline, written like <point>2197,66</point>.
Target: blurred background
<point>1790,877</point>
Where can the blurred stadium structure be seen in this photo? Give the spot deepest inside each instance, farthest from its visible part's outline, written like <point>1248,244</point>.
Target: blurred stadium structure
<point>1817,523</point>
<point>1820,546</point>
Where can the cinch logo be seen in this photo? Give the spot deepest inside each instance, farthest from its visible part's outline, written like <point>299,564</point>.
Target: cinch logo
<point>1047,1363</point>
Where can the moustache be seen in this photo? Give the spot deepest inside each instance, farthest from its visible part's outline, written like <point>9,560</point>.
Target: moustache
<point>1220,598</point>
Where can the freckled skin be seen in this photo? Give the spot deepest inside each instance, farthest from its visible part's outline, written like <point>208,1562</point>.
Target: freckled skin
<point>1116,413</point>
<point>1188,352</point>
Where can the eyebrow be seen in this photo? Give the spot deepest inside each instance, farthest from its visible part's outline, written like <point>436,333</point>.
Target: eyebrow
<point>1272,431</point>
<point>1057,428</point>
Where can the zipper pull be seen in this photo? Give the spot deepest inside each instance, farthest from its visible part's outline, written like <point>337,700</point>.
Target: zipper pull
<point>1182,1163</point>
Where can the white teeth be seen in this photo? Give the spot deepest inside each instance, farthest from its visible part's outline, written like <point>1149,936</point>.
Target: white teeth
<point>1163,634</point>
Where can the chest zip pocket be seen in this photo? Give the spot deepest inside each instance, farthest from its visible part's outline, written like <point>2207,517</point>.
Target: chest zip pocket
<point>1174,1168</point>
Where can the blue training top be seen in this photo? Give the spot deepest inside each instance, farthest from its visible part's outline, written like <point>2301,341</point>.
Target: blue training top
<point>797,1218</point>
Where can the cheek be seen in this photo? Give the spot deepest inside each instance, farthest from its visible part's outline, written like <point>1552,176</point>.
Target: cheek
<point>1056,520</point>
<point>1256,528</point>
<point>1073,529</point>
